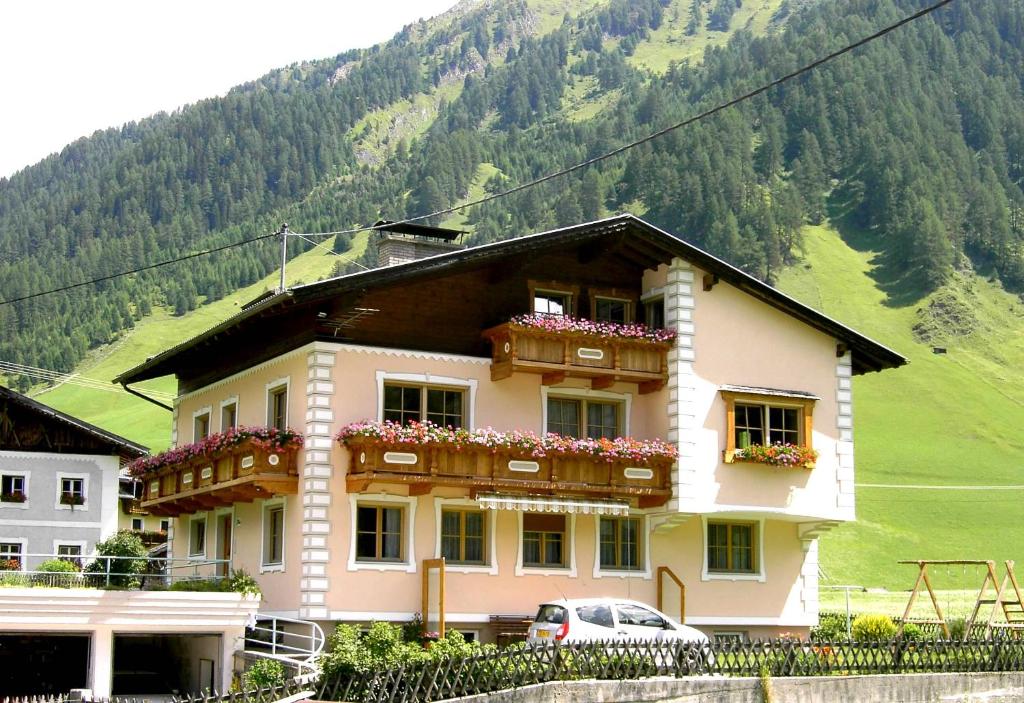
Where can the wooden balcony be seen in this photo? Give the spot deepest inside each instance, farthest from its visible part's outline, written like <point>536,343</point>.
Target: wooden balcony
<point>604,359</point>
<point>422,467</point>
<point>240,474</point>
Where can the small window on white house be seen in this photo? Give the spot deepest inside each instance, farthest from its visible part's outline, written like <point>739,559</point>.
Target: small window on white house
<point>12,489</point>
<point>201,427</point>
<point>72,491</point>
<point>137,524</point>
<point>197,537</point>
<point>71,553</point>
<point>273,535</point>
<point>10,556</point>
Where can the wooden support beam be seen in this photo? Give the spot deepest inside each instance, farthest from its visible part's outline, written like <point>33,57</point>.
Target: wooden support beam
<point>841,349</point>
<point>651,501</point>
<point>710,281</point>
<point>552,378</point>
<point>646,387</point>
<point>419,489</point>
<point>599,383</point>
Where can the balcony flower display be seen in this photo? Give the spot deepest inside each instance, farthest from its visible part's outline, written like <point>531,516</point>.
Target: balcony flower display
<point>72,499</point>
<point>13,497</point>
<point>269,439</point>
<point>425,433</point>
<point>778,454</point>
<point>564,323</point>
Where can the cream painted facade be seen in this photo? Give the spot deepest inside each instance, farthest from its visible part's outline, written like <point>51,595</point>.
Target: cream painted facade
<point>726,337</point>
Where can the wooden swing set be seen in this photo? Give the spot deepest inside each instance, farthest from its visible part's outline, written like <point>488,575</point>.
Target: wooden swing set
<point>1005,597</point>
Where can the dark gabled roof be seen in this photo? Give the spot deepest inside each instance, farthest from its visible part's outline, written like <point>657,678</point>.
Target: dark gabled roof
<point>120,444</point>
<point>644,242</point>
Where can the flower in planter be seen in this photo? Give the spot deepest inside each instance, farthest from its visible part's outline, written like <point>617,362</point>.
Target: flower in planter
<point>564,323</point>
<point>519,442</point>
<point>10,564</point>
<point>778,454</point>
<point>14,497</point>
<point>72,499</point>
<point>269,439</point>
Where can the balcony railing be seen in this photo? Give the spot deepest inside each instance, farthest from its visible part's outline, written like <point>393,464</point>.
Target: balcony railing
<point>599,355</point>
<point>566,467</point>
<point>35,570</point>
<point>218,472</point>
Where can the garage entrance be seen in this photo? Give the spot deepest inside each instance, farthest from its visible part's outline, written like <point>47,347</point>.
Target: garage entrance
<point>31,663</point>
<point>165,664</point>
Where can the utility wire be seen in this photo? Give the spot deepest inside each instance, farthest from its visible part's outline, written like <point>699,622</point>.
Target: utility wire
<point>12,369</point>
<point>306,238</point>
<point>556,174</point>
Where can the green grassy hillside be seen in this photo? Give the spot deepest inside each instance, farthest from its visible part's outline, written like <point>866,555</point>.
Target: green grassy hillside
<point>941,420</point>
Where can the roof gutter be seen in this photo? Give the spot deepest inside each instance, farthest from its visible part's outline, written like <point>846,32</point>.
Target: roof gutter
<point>124,384</point>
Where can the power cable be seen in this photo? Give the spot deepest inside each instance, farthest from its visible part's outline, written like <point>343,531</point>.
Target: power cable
<point>543,179</point>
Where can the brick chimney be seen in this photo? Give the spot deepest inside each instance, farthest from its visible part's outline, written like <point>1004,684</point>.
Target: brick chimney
<point>400,243</point>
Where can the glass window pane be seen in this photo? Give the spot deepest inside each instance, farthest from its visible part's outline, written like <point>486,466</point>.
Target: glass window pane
<point>366,545</point>
<point>475,524</point>
<point>531,548</point>
<point>553,549</point>
<point>366,519</point>
<point>474,549</point>
<point>450,547</point>
<point>391,520</point>
<point>564,417</point>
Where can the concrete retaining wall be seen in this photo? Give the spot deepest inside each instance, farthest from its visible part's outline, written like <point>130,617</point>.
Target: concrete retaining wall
<point>905,688</point>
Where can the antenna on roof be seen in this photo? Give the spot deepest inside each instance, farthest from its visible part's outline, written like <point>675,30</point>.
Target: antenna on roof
<point>284,252</point>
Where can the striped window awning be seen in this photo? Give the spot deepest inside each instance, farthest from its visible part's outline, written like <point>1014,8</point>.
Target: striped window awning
<point>540,504</point>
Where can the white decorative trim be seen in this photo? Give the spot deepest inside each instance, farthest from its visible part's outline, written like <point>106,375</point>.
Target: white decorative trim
<point>427,379</point>
<point>15,522</point>
<point>412,354</point>
<point>682,381</point>
<point>86,490</point>
<point>492,536</point>
<point>653,294</point>
<point>266,504</point>
<point>205,410</point>
<point>252,370</point>
<point>25,489</point>
<point>587,394</point>
<point>81,543</point>
<point>233,400</point>
<point>760,575</point>
<point>845,475</point>
<point>570,544</point>
<point>285,381</point>
<point>645,534</point>
<point>409,524</point>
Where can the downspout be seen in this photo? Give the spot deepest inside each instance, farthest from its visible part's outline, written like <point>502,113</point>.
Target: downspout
<point>146,397</point>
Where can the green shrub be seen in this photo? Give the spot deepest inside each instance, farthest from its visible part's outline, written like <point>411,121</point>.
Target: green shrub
<point>912,632</point>
<point>124,571</point>
<point>57,573</point>
<point>831,627</point>
<point>263,673</point>
<point>957,628</point>
<point>199,585</point>
<point>241,582</point>
<point>58,566</point>
<point>873,628</point>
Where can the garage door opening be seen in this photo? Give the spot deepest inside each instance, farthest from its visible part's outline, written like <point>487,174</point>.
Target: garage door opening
<point>35,664</point>
<point>165,664</point>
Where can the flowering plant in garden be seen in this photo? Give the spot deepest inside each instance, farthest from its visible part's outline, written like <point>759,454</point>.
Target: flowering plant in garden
<point>778,454</point>
<point>269,439</point>
<point>426,433</point>
<point>563,323</point>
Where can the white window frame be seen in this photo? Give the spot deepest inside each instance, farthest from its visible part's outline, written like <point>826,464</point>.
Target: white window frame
<point>166,521</point>
<point>491,516</point>
<point>409,565</point>
<point>649,297</point>
<point>208,411</point>
<point>645,534</point>
<point>760,575</point>
<point>142,524</point>
<point>80,543</point>
<point>267,505</point>
<point>626,399</point>
<point>468,385</point>
<point>233,400</point>
<point>25,476</point>
<point>203,517</point>
<point>23,541</point>
<point>61,475</point>
<point>570,543</point>
<point>285,381</point>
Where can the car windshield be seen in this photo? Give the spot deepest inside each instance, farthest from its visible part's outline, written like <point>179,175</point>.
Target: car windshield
<point>554,614</point>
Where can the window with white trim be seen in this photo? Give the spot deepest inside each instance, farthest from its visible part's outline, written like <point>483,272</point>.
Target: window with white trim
<point>197,537</point>
<point>273,535</point>
<point>228,416</point>
<point>165,525</point>
<point>277,406</point>
<point>11,555</point>
<point>200,426</point>
<point>654,313</point>
<point>545,540</point>
<point>732,547</point>
<point>12,488</point>
<point>621,543</point>
<point>137,524</point>
<point>404,403</point>
<point>72,490</point>
<point>464,536</point>
<point>584,417</point>
<point>71,553</point>
<point>380,532</point>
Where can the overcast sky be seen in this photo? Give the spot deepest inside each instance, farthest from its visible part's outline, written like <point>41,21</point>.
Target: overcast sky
<point>71,67</point>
